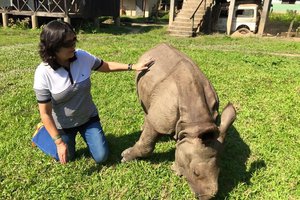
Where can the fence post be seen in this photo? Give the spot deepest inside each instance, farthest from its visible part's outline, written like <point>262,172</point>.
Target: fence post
<point>67,17</point>
<point>34,21</point>
<point>230,16</point>
<point>5,20</point>
<point>172,9</point>
<point>264,17</point>
<point>117,20</point>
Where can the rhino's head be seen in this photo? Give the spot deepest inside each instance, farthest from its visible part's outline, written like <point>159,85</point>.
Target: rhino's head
<point>197,162</point>
<point>196,157</point>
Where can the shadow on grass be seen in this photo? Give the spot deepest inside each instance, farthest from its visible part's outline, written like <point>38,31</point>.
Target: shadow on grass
<point>128,25</point>
<point>233,169</point>
<point>118,144</point>
<point>232,161</point>
<point>159,157</point>
<point>127,28</point>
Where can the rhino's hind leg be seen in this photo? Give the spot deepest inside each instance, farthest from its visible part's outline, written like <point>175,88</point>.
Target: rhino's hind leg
<point>144,146</point>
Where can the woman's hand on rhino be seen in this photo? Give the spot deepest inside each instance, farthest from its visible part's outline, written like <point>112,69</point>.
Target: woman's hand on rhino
<point>144,65</point>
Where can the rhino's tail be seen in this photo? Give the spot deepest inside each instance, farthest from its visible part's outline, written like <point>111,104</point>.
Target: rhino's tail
<point>227,118</point>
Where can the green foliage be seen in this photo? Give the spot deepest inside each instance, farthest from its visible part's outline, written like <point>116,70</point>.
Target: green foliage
<point>19,23</point>
<point>285,17</point>
<point>261,158</point>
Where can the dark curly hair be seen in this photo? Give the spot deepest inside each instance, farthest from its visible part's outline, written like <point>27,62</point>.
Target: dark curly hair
<point>52,39</point>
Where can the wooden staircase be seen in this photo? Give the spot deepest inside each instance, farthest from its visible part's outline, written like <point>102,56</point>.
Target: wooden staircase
<point>190,18</point>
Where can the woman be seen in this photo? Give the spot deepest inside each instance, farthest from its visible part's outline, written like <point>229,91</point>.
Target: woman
<point>62,86</point>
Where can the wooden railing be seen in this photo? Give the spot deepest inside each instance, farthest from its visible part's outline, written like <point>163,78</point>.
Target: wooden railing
<point>48,6</point>
<point>194,13</point>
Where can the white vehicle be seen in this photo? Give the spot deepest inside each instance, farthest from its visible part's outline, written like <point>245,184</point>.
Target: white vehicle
<point>245,18</point>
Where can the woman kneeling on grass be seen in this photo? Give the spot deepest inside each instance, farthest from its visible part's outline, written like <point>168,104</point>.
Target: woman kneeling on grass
<point>62,85</point>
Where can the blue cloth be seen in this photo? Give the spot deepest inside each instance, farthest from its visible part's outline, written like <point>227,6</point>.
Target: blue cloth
<point>94,137</point>
<point>44,141</point>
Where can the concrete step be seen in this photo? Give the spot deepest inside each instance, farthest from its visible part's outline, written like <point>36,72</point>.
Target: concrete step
<point>196,18</point>
<point>180,28</point>
<point>192,6</point>
<point>185,23</point>
<point>181,19</point>
<point>188,17</point>
<point>190,13</point>
<point>180,31</point>
<point>195,5</point>
<point>180,23</point>
<point>181,34</point>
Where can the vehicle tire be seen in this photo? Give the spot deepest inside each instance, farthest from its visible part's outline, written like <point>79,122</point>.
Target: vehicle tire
<point>243,31</point>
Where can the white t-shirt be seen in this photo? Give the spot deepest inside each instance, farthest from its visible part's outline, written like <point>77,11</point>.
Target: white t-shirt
<point>68,91</point>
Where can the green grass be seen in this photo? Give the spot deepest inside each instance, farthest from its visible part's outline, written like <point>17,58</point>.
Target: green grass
<point>261,159</point>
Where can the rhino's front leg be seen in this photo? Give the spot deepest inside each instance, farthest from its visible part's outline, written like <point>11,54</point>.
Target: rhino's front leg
<point>144,146</point>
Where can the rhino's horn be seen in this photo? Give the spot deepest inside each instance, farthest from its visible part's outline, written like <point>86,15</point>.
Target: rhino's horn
<point>227,118</point>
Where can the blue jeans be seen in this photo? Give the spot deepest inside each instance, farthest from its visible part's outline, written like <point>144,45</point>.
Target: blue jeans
<point>93,136</point>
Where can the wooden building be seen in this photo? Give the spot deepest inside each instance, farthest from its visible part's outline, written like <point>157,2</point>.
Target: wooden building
<point>137,8</point>
<point>198,16</point>
<point>66,9</point>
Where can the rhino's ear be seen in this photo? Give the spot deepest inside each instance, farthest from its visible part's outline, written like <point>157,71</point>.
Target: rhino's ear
<point>227,118</point>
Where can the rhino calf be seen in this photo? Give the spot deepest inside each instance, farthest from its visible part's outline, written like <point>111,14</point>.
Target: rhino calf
<point>178,99</point>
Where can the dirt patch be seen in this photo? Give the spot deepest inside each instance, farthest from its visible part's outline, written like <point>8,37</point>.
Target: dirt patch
<point>296,39</point>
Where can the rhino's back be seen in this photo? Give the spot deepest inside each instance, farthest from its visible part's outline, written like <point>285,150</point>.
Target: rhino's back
<point>166,59</point>
<point>170,65</point>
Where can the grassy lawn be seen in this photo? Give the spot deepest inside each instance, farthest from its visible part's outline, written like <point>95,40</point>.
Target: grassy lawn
<point>261,160</point>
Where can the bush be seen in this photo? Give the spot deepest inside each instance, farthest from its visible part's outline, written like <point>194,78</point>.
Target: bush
<point>284,17</point>
<point>19,23</point>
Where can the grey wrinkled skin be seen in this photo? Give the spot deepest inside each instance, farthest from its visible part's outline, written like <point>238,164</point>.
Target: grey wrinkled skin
<point>178,99</point>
